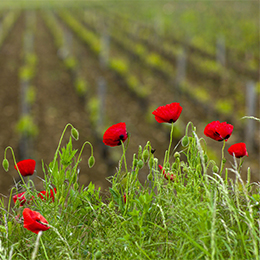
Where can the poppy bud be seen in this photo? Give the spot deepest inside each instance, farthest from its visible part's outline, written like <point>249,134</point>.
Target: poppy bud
<point>174,165</point>
<point>91,161</point>
<point>145,155</point>
<point>185,141</point>
<point>177,155</point>
<point>215,169</point>
<point>150,177</point>
<point>177,160</point>
<point>98,254</point>
<point>167,165</point>
<point>140,164</point>
<point>75,133</point>
<point>140,152</point>
<point>5,164</point>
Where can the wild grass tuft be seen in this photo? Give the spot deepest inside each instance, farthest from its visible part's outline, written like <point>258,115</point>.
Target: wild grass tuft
<point>200,215</point>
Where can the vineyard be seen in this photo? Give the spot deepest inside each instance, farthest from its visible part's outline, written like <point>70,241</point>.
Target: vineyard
<point>96,65</point>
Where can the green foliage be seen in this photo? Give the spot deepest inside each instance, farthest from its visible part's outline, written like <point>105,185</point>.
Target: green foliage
<point>70,62</point>
<point>224,106</point>
<point>119,65</point>
<point>81,86</point>
<point>26,126</point>
<point>198,215</point>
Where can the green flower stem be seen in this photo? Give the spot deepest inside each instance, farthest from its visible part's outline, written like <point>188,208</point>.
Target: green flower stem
<point>91,147</point>
<point>58,148</point>
<point>44,249</point>
<point>75,172</point>
<point>170,144</point>
<point>187,127</point>
<point>123,157</point>
<point>15,163</point>
<point>240,164</point>
<point>222,158</point>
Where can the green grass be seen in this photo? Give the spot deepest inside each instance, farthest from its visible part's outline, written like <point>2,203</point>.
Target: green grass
<point>201,215</point>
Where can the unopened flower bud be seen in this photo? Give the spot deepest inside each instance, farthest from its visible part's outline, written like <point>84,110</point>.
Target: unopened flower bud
<point>185,141</point>
<point>91,161</point>
<point>98,254</point>
<point>174,165</point>
<point>135,162</point>
<point>215,169</point>
<point>177,160</point>
<point>75,133</point>
<point>150,177</point>
<point>140,164</point>
<point>167,165</point>
<point>5,164</point>
<point>177,155</point>
<point>145,155</point>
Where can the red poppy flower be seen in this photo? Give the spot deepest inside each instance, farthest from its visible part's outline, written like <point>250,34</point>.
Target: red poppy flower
<point>26,167</point>
<point>45,195</point>
<point>124,198</point>
<point>168,176</point>
<point>20,197</point>
<point>218,131</point>
<point>167,114</point>
<point>115,134</point>
<point>239,150</point>
<point>34,221</point>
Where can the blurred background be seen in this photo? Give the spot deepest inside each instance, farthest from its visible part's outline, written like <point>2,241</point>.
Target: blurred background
<point>97,63</point>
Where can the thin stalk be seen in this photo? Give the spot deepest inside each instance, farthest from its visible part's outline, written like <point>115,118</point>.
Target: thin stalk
<point>222,158</point>
<point>44,250</point>
<point>58,148</point>
<point>170,144</point>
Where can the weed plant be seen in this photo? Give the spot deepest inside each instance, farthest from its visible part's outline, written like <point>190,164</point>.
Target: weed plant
<point>199,213</point>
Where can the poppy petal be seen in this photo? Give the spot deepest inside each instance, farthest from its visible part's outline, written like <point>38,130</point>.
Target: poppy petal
<point>115,134</point>
<point>238,149</point>
<point>34,221</point>
<point>26,167</point>
<point>168,113</point>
